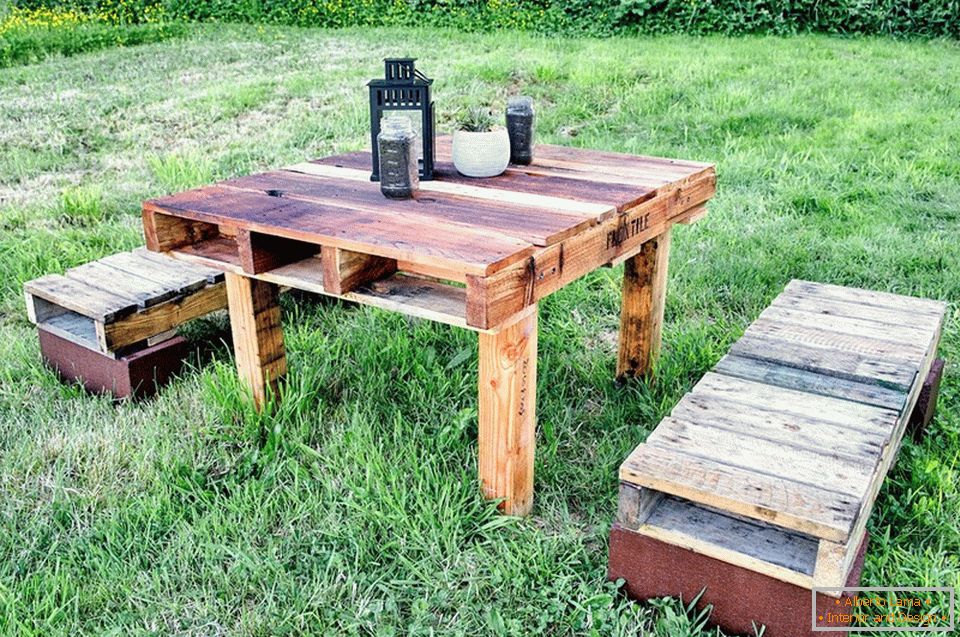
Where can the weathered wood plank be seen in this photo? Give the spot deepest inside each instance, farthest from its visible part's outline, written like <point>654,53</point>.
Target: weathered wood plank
<point>792,505</point>
<point>858,417</point>
<point>807,431</point>
<point>641,313</point>
<point>81,298</point>
<point>111,280</point>
<point>754,545</point>
<point>635,505</point>
<point>908,355</point>
<point>842,474</point>
<point>181,278</point>
<point>860,368</point>
<point>507,413</point>
<point>867,297</point>
<point>810,382</point>
<point>905,334</point>
<point>895,317</point>
<point>167,263</point>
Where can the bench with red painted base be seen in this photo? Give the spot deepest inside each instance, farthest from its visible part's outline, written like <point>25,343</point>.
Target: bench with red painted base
<point>111,324</point>
<point>766,472</point>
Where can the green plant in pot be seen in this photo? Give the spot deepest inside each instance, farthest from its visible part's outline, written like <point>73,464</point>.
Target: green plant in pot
<point>481,148</point>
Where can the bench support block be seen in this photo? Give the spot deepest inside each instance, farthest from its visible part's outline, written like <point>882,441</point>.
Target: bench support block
<point>137,375</point>
<point>740,597</point>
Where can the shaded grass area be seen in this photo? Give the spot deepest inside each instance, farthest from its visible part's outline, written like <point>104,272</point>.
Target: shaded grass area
<point>353,507</point>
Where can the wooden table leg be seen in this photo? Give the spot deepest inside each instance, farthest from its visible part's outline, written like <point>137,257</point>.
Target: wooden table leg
<point>641,314</point>
<point>507,411</point>
<point>257,334</point>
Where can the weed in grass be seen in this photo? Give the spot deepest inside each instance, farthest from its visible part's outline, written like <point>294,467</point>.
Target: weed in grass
<point>83,206</point>
<point>181,172</point>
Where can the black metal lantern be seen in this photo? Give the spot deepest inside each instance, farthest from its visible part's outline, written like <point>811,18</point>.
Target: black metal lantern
<point>403,89</point>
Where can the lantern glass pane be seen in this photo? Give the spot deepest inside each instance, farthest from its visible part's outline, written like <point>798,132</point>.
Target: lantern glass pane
<point>416,123</point>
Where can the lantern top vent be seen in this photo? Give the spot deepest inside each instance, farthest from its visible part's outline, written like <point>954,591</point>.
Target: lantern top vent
<point>401,71</point>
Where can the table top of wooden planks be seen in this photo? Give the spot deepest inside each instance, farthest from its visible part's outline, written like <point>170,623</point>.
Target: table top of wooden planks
<point>509,240</point>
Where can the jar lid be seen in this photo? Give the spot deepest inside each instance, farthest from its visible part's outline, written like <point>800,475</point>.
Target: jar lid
<point>520,103</point>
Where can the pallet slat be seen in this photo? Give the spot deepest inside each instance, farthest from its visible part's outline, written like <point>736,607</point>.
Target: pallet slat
<point>80,297</point>
<point>791,505</point>
<point>810,382</point>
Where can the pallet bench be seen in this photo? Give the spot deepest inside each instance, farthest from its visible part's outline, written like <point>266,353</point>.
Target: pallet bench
<point>759,484</point>
<point>111,324</point>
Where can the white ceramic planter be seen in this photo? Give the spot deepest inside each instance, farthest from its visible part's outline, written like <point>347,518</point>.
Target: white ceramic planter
<point>481,154</point>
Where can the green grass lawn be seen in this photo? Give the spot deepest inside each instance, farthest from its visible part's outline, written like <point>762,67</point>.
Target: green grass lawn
<point>355,509</point>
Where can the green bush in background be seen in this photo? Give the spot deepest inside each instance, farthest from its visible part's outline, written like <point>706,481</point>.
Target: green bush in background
<point>888,17</point>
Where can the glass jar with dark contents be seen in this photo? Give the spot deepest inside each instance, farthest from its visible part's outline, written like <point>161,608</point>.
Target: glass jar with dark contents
<point>399,168</point>
<point>520,126</point>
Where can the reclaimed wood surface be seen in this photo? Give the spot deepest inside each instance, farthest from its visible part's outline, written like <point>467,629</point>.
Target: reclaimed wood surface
<point>123,299</point>
<point>798,426</point>
<point>512,239</point>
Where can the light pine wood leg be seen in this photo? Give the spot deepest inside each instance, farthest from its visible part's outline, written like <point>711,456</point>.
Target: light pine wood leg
<point>507,411</point>
<point>641,314</point>
<point>257,334</point>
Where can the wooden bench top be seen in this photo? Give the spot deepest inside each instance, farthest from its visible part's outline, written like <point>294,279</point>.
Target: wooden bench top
<point>799,423</point>
<point>123,299</point>
<point>462,225</point>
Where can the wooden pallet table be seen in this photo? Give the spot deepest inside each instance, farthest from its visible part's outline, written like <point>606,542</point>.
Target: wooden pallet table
<point>111,323</point>
<point>774,460</point>
<point>475,253</point>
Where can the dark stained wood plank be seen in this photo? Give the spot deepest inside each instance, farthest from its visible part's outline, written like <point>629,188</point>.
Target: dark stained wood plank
<point>519,179</point>
<point>810,382</point>
<point>393,235</point>
<point>539,226</point>
<point>169,264</point>
<point>628,171</point>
